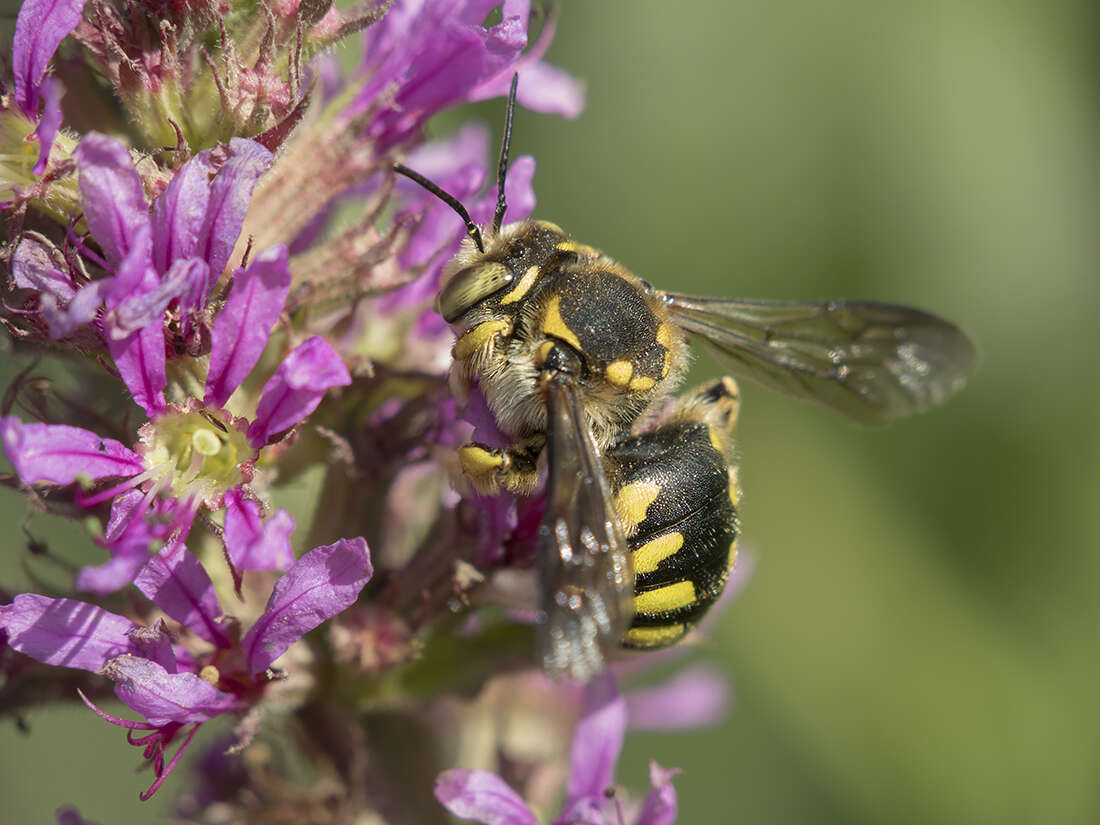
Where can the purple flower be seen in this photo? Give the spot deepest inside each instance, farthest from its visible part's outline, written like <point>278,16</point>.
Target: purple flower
<point>169,687</point>
<point>39,30</point>
<point>192,454</point>
<point>428,55</point>
<point>485,797</point>
<point>167,256</point>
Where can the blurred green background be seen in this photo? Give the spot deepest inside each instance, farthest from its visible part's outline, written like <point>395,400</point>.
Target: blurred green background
<point>918,641</point>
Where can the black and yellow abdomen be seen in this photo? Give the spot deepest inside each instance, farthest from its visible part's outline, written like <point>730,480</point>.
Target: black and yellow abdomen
<point>676,495</point>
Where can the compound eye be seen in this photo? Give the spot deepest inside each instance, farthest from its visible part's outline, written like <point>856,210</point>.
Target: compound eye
<point>469,286</point>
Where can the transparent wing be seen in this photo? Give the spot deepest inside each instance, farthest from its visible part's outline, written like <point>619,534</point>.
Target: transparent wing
<point>586,583</point>
<point>868,361</point>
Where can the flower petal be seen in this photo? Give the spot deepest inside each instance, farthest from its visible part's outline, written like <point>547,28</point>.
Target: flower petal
<point>542,87</point>
<point>139,358</point>
<point>60,454</point>
<point>52,92</point>
<point>597,741</point>
<point>65,632</point>
<point>660,802</point>
<point>423,57</point>
<point>163,697</point>
<point>252,543</point>
<point>33,267</point>
<point>81,310</point>
<point>117,572</point>
<point>296,388</point>
<point>178,584</point>
<point>243,326</point>
<point>111,194</point>
<point>230,195</point>
<point>696,697</point>
<point>39,30</point>
<point>185,280</point>
<point>135,273</point>
<point>483,797</point>
<point>322,583</point>
<point>179,213</point>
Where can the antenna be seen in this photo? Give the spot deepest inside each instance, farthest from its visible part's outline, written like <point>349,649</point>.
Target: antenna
<point>471,228</point>
<point>502,165</point>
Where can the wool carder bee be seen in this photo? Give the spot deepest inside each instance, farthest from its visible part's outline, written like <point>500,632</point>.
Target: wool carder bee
<point>577,358</point>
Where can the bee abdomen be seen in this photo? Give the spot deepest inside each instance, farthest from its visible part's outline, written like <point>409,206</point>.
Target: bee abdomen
<point>676,498</point>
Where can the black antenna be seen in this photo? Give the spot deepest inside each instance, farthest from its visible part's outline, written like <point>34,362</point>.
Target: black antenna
<point>502,166</point>
<point>471,228</point>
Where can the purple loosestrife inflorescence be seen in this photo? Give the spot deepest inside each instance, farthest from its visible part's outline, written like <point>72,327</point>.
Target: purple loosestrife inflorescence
<point>219,302</point>
<point>171,689</point>
<point>597,743</point>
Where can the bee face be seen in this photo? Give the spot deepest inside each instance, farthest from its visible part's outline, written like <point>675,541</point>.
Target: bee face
<point>571,350</point>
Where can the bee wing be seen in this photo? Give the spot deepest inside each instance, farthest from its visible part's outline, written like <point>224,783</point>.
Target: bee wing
<point>585,577</point>
<point>870,362</point>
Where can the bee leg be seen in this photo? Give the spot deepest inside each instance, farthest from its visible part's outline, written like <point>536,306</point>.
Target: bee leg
<point>491,469</point>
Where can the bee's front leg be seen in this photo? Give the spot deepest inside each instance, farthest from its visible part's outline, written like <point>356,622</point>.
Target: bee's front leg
<point>491,469</point>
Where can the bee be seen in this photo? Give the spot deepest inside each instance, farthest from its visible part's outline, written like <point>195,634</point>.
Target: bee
<point>578,359</point>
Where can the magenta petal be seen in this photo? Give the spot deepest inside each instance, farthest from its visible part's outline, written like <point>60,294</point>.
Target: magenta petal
<point>243,326</point>
<point>483,797</point>
<point>61,454</point>
<point>660,803</point>
<point>163,697</point>
<point>230,195</point>
<point>134,274</point>
<point>597,741</point>
<point>185,280</point>
<point>39,30</point>
<point>115,573</point>
<point>177,583</point>
<point>252,543</point>
<point>111,194</point>
<point>49,123</point>
<point>696,697</point>
<point>139,358</point>
<point>322,583</point>
<point>296,388</point>
<point>65,632</point>
<point>179,213</point>
<point>32,267</point>
<point>81,310</point>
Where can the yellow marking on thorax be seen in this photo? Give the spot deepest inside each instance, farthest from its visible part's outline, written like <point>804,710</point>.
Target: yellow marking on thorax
<point>652,553</point>
<point>632,502</point>
<point>523,287</point>
<point>664,338</point>
<point>732,557</point>
<point>735,488</point>
<point>619,372</point>
<point>716,439</point>
<point>654,636</point>
<point>642,383</point>
<point>670,597</point>
<point>579,248</point>
<point>474,339</point>
<point>553,324</point>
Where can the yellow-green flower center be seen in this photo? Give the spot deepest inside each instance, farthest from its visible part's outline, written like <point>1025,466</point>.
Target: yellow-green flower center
<point>197,453</point>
